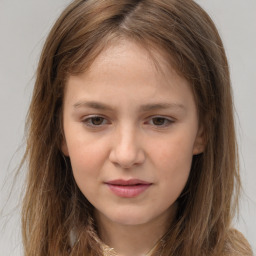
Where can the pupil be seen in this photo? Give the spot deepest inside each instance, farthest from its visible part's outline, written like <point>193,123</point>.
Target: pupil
<point>158,121</point>
<point>97,120</point>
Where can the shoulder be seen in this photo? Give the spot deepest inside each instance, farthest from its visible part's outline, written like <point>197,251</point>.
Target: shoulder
<point>236,244</point>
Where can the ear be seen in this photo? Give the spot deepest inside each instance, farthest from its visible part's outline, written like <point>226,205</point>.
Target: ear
<point>64,147</point>
<point>200,142</point>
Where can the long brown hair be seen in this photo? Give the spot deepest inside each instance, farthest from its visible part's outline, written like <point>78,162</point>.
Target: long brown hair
<point>57,219</point>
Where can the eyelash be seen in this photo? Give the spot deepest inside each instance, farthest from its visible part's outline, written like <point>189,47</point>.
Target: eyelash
<point>166,121</point>
<point>103,121</point>
<point>89,121</point>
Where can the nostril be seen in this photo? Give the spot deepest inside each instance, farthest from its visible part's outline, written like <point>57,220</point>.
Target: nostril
<point>126,151</point>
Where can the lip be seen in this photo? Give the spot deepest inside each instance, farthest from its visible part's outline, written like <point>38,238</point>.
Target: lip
<point>128,188</point>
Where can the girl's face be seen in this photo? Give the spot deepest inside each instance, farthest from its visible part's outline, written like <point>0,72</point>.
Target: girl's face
<point>131,131</point>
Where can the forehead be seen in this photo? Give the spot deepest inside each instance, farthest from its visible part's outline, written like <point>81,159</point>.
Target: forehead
<point>123,53</point>
<point>126,74</point>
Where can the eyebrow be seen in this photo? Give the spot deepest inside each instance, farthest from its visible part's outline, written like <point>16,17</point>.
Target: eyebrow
<point>158,106</point>
<point>143,108</point>
<point>92,104</point>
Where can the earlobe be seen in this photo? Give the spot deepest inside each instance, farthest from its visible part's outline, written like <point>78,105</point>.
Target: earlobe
<point>64,148</point>
<point>200,142</point>
<point>198,149</point>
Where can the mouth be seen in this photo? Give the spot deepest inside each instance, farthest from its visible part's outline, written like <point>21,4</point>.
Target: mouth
<point>128,188</point>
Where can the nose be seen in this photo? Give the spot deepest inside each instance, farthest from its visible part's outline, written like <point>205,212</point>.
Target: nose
<point>127,150</point>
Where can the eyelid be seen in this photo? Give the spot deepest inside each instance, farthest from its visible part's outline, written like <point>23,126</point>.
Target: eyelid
<point>86,120</point>
<point>169,120</point>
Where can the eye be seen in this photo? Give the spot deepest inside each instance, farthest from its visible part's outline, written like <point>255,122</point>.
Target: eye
<point>160,121</point>
<point>95,121</point>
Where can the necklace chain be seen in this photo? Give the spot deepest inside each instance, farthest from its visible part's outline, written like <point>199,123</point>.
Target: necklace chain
<point>108,251</point>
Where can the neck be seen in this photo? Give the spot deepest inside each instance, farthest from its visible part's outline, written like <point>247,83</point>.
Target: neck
<point>132,240</point>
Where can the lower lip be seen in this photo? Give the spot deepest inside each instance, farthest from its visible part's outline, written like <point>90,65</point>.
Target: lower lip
<point>128,191</point>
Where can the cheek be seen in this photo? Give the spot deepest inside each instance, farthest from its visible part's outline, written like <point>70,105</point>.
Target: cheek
<point>86,161</point>
<point>85,152</point>
<point>172,160</point>
<point>176,151</point>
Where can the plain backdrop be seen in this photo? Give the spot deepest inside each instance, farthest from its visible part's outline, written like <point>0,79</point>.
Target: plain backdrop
<point>24,25</point>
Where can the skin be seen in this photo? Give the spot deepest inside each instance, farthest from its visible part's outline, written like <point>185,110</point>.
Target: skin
<point>146,128</point>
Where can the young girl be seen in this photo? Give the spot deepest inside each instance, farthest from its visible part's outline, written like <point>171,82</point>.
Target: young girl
<point>131,146</point>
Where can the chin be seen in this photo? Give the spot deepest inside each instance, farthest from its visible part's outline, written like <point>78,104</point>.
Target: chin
<point>129,218</point>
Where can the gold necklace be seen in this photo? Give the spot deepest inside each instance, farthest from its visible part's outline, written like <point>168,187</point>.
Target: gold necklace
<point>108,251</point>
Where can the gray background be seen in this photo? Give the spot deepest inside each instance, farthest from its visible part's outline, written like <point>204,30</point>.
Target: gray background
<point>24,25</point>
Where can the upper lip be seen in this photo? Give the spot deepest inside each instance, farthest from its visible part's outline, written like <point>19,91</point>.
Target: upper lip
<point>130,182</point>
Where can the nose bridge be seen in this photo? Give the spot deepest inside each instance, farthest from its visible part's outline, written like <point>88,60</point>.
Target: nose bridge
<point>126,141</point>
<point>127,149</point>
